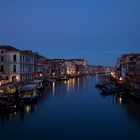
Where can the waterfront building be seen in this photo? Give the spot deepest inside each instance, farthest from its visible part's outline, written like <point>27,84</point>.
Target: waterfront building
<point>48,68</point>
<point>39,66</point>
<point>80,66</point>
<point>128,69</point>
<point>70,68</point>
<point>15,65</point>
<point>27,65</point>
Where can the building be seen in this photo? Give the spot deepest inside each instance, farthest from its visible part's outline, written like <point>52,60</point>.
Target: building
<point>70,67</point>
<point>80,66</point>
<point>128,69</point>
<point>16,65</point>
<point>48,68</point>
<point>58,67</point>
<point>39,66</point>
<point>27,65</point>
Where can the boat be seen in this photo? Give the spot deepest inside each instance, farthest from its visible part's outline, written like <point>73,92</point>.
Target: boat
<point>63,78</point>
<point>102,81</point>
<point>136,93</point>
<point>51,80</point>
<point>7,106</point>
<point>28,92</point>
<point>39,85</point>
<point>109,89</point>
<point>12,88</point>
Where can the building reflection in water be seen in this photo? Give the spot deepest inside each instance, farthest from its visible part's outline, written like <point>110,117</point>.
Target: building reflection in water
<point>26,109</point>
<point>120,99</point>
<point>74,86</point>
<point>129,104</point>
<point>70,85</point>
<point>67,87</point>
<point>77,86</point>
<point>22,111</point>
<point>53,88</point>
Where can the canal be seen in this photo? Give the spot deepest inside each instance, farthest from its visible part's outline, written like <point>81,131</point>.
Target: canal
<point>74,110</point>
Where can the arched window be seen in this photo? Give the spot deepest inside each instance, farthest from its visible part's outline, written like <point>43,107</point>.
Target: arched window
<point>14,58</point>
<point>2,59</point>
<point>14,68</point>
<point>2,68</point>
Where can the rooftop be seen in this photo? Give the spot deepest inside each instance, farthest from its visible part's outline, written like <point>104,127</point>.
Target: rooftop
<point>9,48</point>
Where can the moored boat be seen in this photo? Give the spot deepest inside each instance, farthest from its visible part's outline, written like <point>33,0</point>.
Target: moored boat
<point>28,92</point>
<point>136,93</point>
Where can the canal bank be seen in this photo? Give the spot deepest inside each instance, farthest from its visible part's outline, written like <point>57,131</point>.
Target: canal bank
<point>74,109</point>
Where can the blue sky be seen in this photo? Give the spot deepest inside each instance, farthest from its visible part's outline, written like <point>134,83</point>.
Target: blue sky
<point>96,30</point>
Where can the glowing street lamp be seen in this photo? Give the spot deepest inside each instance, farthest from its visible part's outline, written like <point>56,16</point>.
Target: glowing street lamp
<point>17,78</point>
<point>120,78</point>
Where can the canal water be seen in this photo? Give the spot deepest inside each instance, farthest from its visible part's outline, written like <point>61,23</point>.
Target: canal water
<point>74,110</point>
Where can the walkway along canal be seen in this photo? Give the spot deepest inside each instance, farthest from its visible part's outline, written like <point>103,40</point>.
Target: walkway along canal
<point>73,109</point>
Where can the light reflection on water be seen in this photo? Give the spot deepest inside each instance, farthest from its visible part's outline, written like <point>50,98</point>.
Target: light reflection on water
<point>53,88</point>
<point>75,108</point>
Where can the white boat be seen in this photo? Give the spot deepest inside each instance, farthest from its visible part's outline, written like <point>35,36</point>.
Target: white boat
<point>39,84</point>
<point>28,92</point>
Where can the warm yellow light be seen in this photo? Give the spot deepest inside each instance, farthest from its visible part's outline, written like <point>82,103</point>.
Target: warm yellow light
<point>120,100</point>
<point>120,79</point>
<point>53,88</point>
<point>28,108</point>
<point>68,72</point>
<point>113,74</point>
<point>17,78</point>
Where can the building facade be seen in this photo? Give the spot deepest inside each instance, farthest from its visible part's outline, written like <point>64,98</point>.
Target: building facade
<point>16,65</point>
<point>128,69</point>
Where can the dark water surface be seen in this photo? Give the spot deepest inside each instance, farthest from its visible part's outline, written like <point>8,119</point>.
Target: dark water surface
<point>74,110</point>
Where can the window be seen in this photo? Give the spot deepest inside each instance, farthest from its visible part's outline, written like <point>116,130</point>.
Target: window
<point>14,68</point>
<point>2,59</point>
<point>2,51</point>
<point>20,57</point>
<point>7,78</point>
<point>2,68</point>
<point>14,58</point>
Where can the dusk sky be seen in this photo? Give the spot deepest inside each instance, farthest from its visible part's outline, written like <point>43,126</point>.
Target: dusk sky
<point>96,30</point>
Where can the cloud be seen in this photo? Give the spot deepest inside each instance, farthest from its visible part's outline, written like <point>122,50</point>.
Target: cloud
<point>113,52</point>
<point>87,52</point>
